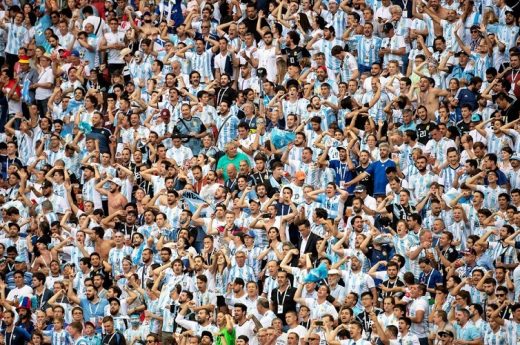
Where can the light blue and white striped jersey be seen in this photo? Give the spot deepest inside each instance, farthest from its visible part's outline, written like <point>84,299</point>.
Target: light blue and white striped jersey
<point>505,254</point>
<point>338,21</point>
<point>447,32</point>
<point>481,63</point>
<point>61,338</point>
<point>512,328</point>
<point>333,205</point>
<point>16,38</point>
<point>508,34</point>
<point>299,107</point>
<point>53,156</point>
<point>496,143</point>
<point>368,50</point>
<point>513,176</point>
<point>90,193</point>
<point>325,47</point>
<point>419,184</point>
<point>244,272</point>
<point>25,146</point>
<point>228,127</point>
<point>501,337</point>
<point>173,214</point>
<point>202,63</point>
<point>439,148</point>
<point>448,175</point>
<point>347,66</point>
<point>376,112</point>
<point>491,196</point>
<point>115,258</point>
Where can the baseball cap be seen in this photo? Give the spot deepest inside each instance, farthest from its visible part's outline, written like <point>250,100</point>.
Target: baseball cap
<point>446,332</point>
<point>75,52</point>
<point>23,59</point>
<point>89,167</point>
<point>19,259</point>
<point>207,334</point>
<point>333,271</point>
<point>515,158</point>
<point>300,175</point>
<point>110,300</point>
<point>469,252</point>
<point>165,112</point>
<point>476,118</point>
<point>250,234</point>
<point>125,52</point>
<point>387,27</point>
<point>323,68</point>
<point>46,55</point>
<point>462,52</point>
<point>360,188</point>
<point>330,28</point>
<point>117,181</point>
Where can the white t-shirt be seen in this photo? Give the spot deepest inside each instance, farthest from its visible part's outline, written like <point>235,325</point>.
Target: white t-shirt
<point>45,77</point>
<point>420,329</point>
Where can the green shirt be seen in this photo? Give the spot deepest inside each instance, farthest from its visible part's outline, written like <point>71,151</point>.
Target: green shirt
<point>230,337</point>
<point>224,161</point>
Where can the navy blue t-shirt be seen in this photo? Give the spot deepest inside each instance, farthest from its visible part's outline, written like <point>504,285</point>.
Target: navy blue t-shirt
<point>378,171</point>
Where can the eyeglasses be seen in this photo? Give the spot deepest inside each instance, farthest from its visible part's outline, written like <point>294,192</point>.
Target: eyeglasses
<point>312,339</point>
<point>474,31</point>
<point>205,27</point>
<point>501,295</point>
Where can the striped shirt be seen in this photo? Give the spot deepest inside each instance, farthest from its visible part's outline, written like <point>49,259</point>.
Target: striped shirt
<point>244,272</point>
<point>228,129</point>
<point>368,50</point>
<point>449,174</point>
<point>202,63</point>
<point>16,38</point>
<point>325,46</point>
<point>347,67</point>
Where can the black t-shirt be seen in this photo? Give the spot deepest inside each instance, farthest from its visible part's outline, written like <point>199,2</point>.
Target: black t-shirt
<point>364,318</point>
<point>251,26</point>
<point>295,55</point>
<point>451,255</point>
<point>284,299</point>
<point>463,127</point>
<point>423,132</point>
<point>399,212</point>
<point>511,113</point>
<point>103,136</point>
<point>389,284</point>
<point>368,181</point>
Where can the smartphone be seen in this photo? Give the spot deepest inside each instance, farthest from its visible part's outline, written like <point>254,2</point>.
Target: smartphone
<point>319,323</point>
<point>266,215</point>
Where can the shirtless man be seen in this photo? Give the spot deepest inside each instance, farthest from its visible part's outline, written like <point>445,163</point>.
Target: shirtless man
<point>429,95</point>
<point>42,262</point>
<point>101,245</point>
<point>116,200</point>
<point>438,11</point>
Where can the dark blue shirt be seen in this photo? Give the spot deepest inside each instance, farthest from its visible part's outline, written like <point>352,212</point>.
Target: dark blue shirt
<point>343,173</point>
<point>377,170</point>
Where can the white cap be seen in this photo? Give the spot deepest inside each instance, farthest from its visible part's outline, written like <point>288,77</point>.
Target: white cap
<point>116,181</point>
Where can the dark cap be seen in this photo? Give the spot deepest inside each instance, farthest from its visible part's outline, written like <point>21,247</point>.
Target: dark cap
<point>446,332</point>
<point>207,334</point>
<point>462,52</point>
<point>89,167</point>
<point>360,188</point>
<point>330,28</point>
<point>110,300</point>
<point>387,27</point>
